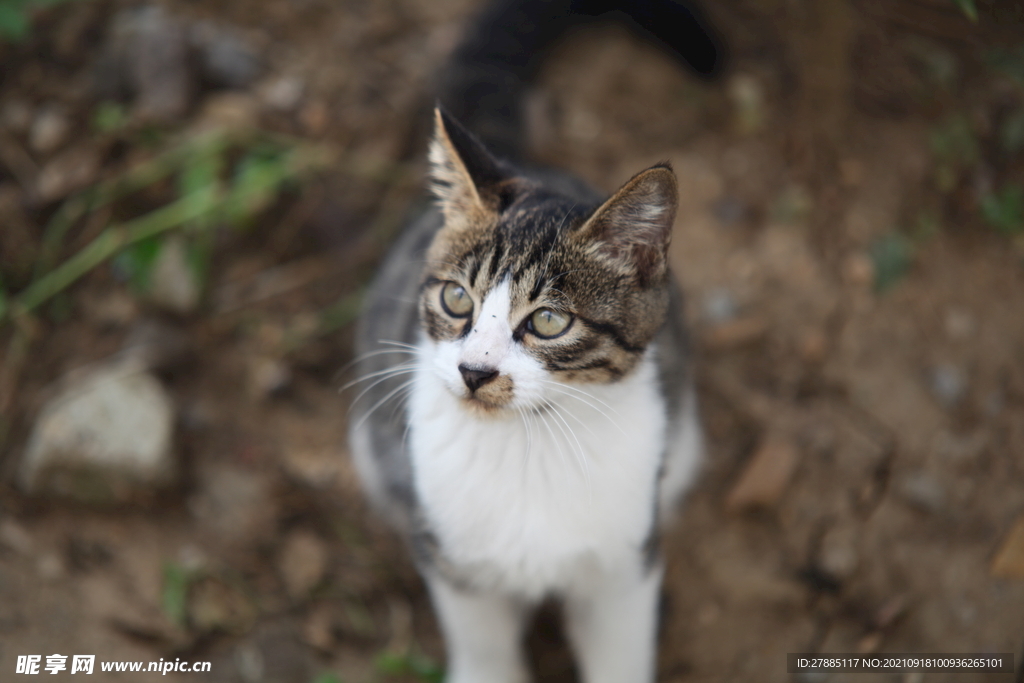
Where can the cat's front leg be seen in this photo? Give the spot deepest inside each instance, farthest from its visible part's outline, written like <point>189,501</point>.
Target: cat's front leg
<point>613,627</point>
<point>483,632</point>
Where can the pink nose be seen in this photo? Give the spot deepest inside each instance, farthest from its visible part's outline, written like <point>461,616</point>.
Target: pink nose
<point>477,377</point>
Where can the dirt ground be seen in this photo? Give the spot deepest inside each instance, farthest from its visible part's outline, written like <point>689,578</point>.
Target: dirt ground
<point>859,325</point>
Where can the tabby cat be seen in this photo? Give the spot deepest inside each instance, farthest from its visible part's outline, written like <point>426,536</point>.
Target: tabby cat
<point>529,416</point>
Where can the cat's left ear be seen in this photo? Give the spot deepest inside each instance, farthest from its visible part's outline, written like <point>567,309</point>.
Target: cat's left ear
<point>462,171</point>
<point>632,230</point>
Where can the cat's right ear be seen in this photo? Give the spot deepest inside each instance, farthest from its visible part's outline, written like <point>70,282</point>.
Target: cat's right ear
<point>461,172</point>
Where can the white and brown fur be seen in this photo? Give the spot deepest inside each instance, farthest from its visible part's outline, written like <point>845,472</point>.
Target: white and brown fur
<point>549,479</point>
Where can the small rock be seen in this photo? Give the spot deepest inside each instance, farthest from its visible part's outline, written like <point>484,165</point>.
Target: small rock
<point>303,563</point>
<point>283,93</point>
<point>105,437</point>
<point>729,210</point>
<point>318,630</point>
<point>173,282</point>
<point>267,376</point>
<point>50,567</point>
<point>15,537</point>
<point>315,467</point>
<point>719,305</point>
<point>765,476</point>
<point>948,384</point>
<point>813,346</point>
<point>230,110</point>
<point>869,643</point>
<point>1009,560</point>
<point>155,344</point>
<point>315,117</point>
<point>959,324</point>
<point>838,554</point>
<point>49,130</point>
<point>69,171</point>
<point>859,270</point>
<point>16,116</point>
<point>922,490</point>
<point>156,57</point>
<point>114,308</point>
<point>226,60</point>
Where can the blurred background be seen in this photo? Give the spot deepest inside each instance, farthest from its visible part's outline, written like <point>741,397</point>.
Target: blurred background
<point>194,194</point>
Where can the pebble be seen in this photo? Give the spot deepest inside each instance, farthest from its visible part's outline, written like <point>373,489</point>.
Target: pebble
<point>157,61</point>
<point>729,210</point>
<point>225,59</point>
<point>16,116</point>
<point>838,554</point>
<point>858,270</point>
<point>959,324</point>
<point>104,438</point>
<point>719,305</point>
<point>267,376</point>
<point>174,284</point>
<point>49,130</point>
<point>302,563</point>
<point>15,537</point>
<point>67,172</point>
<point>765,476</point>
<point>948,384</point>
<point>283,93</point>
<point>924,491</point>
<point>1009,560</point>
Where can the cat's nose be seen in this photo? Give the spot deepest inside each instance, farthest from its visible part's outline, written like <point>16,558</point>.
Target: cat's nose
<point>476,377</point>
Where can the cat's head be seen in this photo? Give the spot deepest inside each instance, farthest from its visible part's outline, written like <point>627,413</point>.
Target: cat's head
<point>525,287</point>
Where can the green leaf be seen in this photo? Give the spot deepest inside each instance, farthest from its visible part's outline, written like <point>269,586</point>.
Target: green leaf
<point>420,666</point>
<point>109,117</point>
<point>175,592</point>
<point>1004,211</point>
<point>891,256</point>
<point>14,23</point>
<point>327,677</point>
<point>136,262</point>
<point>968,8</point>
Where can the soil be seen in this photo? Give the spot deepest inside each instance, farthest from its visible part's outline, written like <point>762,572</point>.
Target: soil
<point>874,413</point>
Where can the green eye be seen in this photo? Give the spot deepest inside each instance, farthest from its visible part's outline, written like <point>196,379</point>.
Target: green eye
<point>455,300</point>
<point>548,324</point>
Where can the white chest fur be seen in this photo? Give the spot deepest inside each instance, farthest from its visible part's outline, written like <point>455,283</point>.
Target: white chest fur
<point>533,503</point>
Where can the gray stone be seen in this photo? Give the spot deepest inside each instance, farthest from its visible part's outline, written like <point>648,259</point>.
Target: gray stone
<point>719,305</point>
<point>173,282</point>
<point>948,384</point>
<point>150,47</point>
<point>49,130</point>
<point>922,490</point>
<point>105,437</point>
<point>225,59</point>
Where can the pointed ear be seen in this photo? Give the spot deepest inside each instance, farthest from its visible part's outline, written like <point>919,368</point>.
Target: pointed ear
<point>461,170</point>
<point>633,228</point>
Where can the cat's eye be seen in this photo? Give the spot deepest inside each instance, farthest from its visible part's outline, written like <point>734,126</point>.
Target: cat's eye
<point>548,324</point>
<point>455,300</point>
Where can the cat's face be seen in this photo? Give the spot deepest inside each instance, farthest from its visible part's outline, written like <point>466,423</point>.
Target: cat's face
<point>525,291</point>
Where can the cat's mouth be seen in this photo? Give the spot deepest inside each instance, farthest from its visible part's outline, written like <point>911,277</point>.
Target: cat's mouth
<point>491,399</point>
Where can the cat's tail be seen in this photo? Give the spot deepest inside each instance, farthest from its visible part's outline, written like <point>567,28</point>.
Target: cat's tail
<point>484,82</point>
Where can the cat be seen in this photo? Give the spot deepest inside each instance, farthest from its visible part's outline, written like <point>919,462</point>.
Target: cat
<point>540,421</point>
